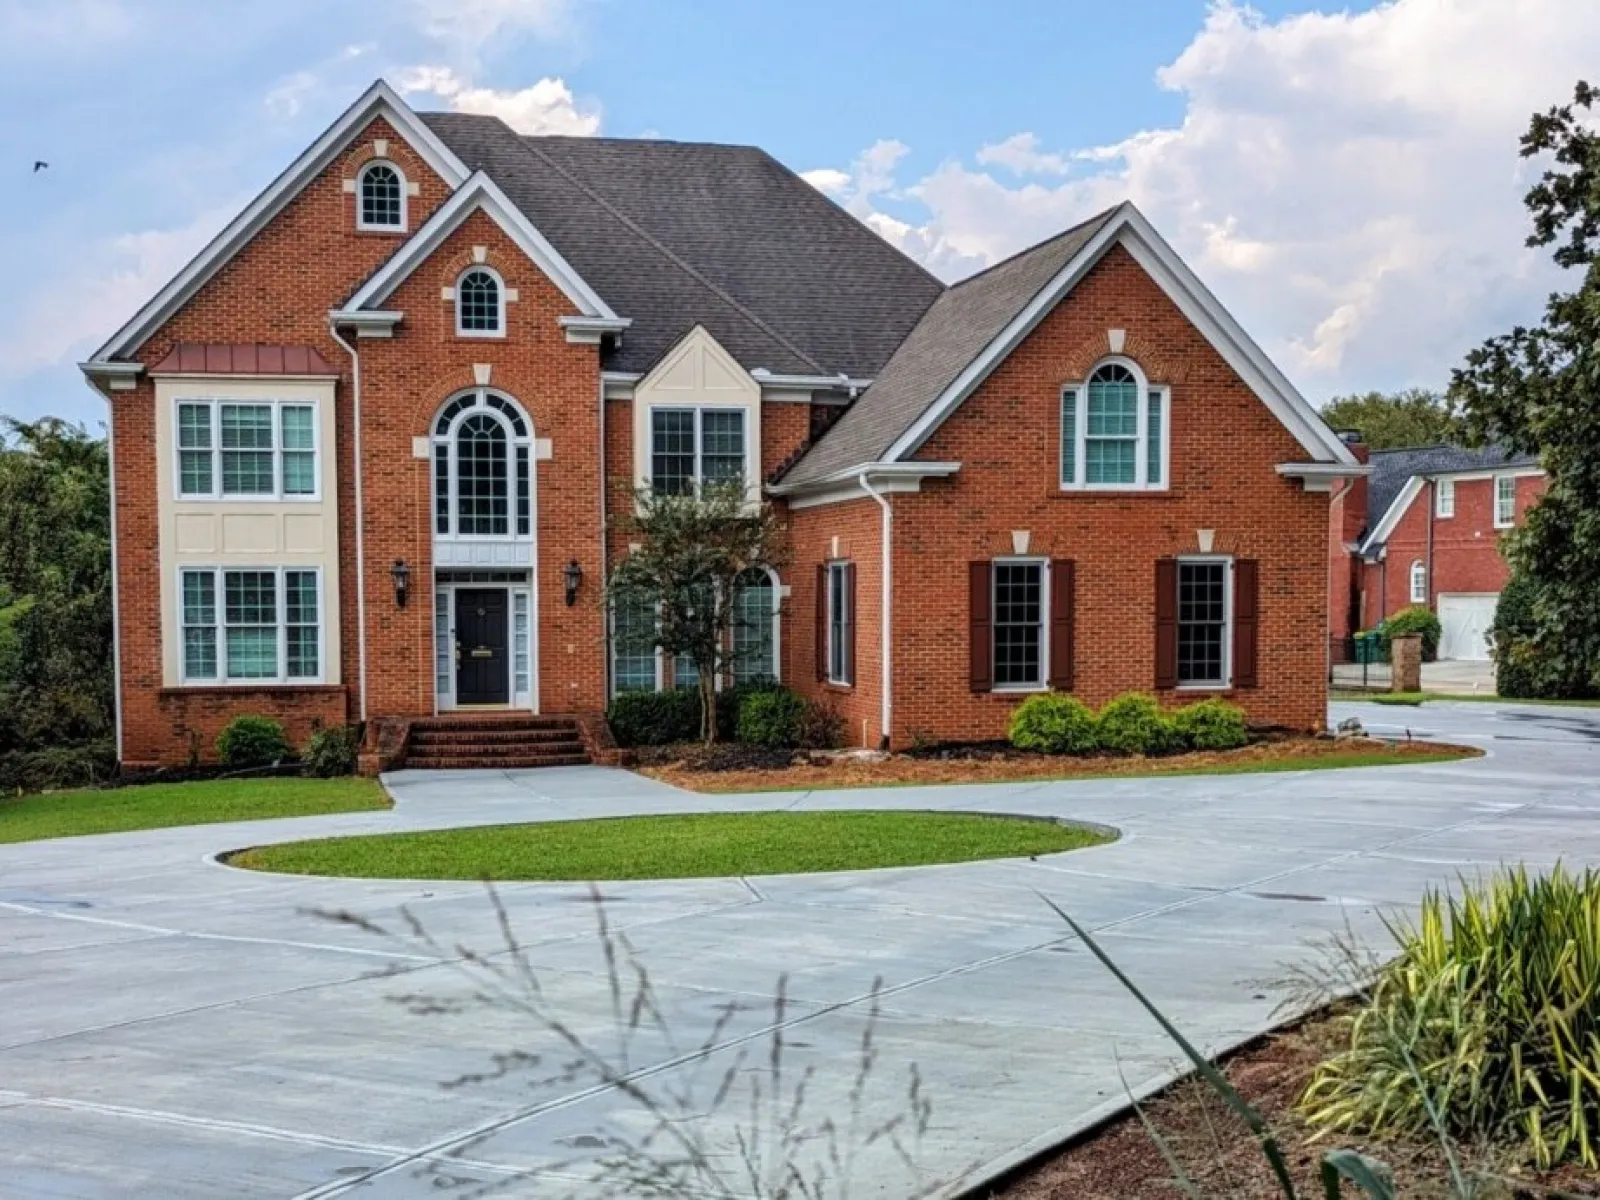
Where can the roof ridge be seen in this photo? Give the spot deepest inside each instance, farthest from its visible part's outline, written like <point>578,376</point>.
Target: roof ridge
<point>683,266</point>
<point>1102,215</point>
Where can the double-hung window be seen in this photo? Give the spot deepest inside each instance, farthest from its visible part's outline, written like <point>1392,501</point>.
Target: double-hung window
<point>1419,582</point>
<point>1444,498</point>
<point>691,447</point>
<point>1114,431</point>
<point>1204,619</point>
<point>1019,624</point>
<point>251,626</point>
<point>246,450</point>
<point>841,624</point>
<point>1505,501</point>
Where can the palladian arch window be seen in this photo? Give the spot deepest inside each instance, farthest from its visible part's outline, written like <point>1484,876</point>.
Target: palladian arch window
<point>481,450</point>
<point>1114,430</point>
<point>382,192</point>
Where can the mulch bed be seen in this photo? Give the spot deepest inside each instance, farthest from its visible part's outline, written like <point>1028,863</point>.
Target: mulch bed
<point>735,768</point>
<point>1222,1158</point>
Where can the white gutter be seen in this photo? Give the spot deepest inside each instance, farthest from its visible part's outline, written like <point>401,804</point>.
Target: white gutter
<point>885,639</point>
<point>880,470</point>
<point>116,605</point>
<point>849,382</point>
<point>361,545</point>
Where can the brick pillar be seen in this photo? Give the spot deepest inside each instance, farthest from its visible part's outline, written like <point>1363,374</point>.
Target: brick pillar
<point>1405,663</point>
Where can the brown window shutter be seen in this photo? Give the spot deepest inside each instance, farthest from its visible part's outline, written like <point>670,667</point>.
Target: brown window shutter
<point>1063,602</point>
<point>820,646</point>
<point>1166,622</point>
<point>980,631</point>
<point>1246,618</point>
<point>850,623</point>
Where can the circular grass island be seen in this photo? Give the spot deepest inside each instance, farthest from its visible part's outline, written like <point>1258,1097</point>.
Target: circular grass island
<point>676,847</point>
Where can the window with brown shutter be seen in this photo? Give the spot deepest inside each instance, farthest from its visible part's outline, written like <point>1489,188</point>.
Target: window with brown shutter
<point>1063,602</point>
<point>850,623</point>
<point>1246,610</point>
<point>1166,622</point>
<point>980,626</point>
<point>839,623</point>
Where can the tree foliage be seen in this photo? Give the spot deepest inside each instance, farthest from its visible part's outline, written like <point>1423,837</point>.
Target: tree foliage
<point>1414,417</point>
<point>1538,389</point>
<point>55,587</point>
<point>688,554</point>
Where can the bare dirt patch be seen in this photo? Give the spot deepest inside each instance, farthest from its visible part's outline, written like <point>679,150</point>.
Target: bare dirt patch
<point>701,770</point>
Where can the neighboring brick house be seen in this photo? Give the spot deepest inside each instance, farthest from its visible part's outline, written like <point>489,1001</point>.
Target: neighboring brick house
<point>1424,528</point>
<point>369,448</point>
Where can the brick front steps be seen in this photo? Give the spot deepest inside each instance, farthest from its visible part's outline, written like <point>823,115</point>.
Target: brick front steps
<point>505,743</point>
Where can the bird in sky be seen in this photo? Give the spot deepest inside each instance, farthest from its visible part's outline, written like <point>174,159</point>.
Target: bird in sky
<point>39,165</point>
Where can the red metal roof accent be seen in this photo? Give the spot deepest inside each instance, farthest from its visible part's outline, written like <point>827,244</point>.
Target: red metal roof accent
<point>242,358</point>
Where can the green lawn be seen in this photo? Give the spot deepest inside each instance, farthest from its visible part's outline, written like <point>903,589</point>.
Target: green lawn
<point>160,805</point>
<point>675,847</point>
<point>1412,699</point>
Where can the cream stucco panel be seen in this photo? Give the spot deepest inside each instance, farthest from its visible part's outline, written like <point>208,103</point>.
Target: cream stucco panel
<point>698,373</point>
<point>294,533</point>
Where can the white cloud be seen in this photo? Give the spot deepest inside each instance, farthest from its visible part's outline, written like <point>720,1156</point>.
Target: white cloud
<point>81,309</point>
<point>1347,183</point>
<point>468,27</point>
<point>26,26</point>
<point>828,180</point>
<point>1020,153</point>
<point>547,106</point>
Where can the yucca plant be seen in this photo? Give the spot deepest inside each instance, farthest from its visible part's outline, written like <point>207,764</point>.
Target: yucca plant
<point>1487,1025</point>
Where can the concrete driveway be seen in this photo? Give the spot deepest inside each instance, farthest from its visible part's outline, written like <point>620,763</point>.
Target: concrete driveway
<point>172,1027</point>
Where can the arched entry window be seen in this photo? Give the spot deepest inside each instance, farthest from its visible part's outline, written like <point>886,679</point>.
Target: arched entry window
<point>755,626</point>
<point>481,450</point>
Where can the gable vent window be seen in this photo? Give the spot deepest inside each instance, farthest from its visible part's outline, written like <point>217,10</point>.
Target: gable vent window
<point>480,304</point>
<point>1114,431</point>
<point>382,191</point>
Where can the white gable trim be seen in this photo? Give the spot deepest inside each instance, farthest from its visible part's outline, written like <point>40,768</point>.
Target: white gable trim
<point>1129,228</point>
<point>380,100</point>
<point>480,193</point>
<point>1391,518</point>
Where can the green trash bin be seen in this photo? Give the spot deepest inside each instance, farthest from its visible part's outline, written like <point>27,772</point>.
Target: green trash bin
<point>1367,648</point>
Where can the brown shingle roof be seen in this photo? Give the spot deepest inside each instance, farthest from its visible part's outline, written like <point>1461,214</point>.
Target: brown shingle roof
<point>242,358</point>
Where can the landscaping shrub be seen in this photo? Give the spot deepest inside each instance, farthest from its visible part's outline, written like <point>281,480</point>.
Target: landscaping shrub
<point>731,700</point>
<point>252,742</point>
<point>1416,619</point>
<point>1054,725</point>
<point>655,718</point>
<point>772,718</point>
<point>821,726</point>
<point>1211,725</point>
<point>1134,724</point>
<point>57,768</point>
<point>331,752</point>
<point>1489,1016</point>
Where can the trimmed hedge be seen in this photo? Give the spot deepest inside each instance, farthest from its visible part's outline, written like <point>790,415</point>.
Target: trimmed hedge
<point>1418,618</point>
<point>252,742</point>
<point>655,718</point>
<point>331,752</point>
<point>1054,724</point>
<point>1211,725</point>
<point>1134,724</point>
<point>774,719</point>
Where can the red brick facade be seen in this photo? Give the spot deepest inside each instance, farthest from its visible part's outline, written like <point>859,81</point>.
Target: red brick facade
<point>281,286</point>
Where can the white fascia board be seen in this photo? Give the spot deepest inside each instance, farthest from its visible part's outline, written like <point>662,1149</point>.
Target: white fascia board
<point>771,379</point>
<point>1476,474</point>
<point>481,193</point>
<point>380,100</point>
<point>111,370</point>
<point>1129,227</point>
<point>1320,477</point>
<point>845,485</point>
<point>1391,518</point>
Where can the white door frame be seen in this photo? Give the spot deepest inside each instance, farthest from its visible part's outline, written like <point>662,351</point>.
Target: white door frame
<point>520,701</point>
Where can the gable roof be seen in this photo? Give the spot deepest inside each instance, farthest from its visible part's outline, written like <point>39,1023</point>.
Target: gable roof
<point>479,194</point>
<point>1397,476</point>
<point>675,234</point>
<point>971,328</point>
<point>380,100</point>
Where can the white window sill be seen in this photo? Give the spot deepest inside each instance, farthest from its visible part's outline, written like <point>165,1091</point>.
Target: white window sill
<point>1020,689</point>
<point>1114,488</point>
<point>1219,686</point>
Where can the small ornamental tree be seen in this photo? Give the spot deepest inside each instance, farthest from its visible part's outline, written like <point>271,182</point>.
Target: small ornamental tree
<point>688,553</point>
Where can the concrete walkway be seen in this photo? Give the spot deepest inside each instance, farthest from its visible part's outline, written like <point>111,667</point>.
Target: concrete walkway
<point>170,1027</point>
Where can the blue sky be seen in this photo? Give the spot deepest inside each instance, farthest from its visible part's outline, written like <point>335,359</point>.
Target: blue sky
<point>1344,178</point>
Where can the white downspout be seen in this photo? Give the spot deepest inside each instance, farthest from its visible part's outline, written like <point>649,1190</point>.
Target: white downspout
<point>361,544</point>
<point>116,591</point>
<point>885,640</point>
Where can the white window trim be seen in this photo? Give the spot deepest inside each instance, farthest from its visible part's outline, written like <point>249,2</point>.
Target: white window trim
<point>1080,433</point>
<point>500,296</point>
<point>1043,685</point>
<point>405,189</point>
<point>277,495</point>
<point>448,440</point>
<point>777,626</point>
<point>751,470</point>
<point>1444,491</point>
<point>282,678</point>
<point>661,660</point>
<point>847,622</point>
<point>1510,520</point>
<point>1419,582</point>
<point>1226,682</point>
<point>447,700</point>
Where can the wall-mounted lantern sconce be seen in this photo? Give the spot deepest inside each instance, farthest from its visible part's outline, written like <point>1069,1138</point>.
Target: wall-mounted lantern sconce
<point>401,574</point>
<point>573,574</point>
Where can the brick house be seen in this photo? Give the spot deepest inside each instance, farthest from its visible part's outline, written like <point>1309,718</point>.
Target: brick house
<point>1424,528</point>
<point>369,446</point>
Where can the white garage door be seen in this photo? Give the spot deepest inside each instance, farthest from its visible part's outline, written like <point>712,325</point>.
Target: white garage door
<point>1464,621</point>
